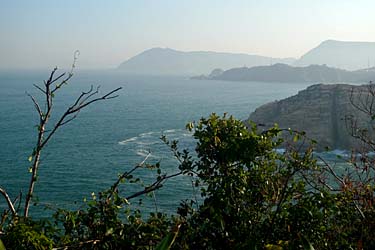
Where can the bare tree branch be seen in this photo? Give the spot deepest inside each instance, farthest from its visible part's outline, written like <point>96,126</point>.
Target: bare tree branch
<point>65,81</point>
<point>332,172</point>
<point>8,200</point>
<point>126,174</point>
<point>78,245</point>
<point>37,107</point>
<point>105,97</point>
<point>83,100</point>
<point>59,77</point>
<point>81,96</point>
<point>42,90</point>
<point>89,95</point>
<point>72,109</point>
<point>70,119</point>
<point>154,186</point>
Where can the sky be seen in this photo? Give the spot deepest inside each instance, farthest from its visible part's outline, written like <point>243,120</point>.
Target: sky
<point>37,34</point>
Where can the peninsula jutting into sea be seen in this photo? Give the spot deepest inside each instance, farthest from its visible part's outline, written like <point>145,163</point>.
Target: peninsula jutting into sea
<point>285,73</point>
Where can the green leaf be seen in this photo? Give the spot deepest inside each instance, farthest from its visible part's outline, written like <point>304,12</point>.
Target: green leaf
<point>166,243</point>
<point>306,244</point>
<point>168,240</point>
<point>295,138</point>
<point>2,247</point>
<point>190,126</point>
<point>273,247</point>
<point>109,232</point>
<point>30,158</point>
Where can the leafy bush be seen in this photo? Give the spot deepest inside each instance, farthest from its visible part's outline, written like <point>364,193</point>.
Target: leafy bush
<point>27,234</point>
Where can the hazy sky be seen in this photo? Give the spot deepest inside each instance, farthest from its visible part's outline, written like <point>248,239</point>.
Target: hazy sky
<point>45,33</point>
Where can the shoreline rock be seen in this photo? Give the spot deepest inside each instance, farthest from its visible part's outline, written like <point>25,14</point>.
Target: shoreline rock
<point>323,111</point>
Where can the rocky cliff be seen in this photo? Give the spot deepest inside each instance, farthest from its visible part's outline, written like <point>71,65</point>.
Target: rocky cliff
<point>320,111</point>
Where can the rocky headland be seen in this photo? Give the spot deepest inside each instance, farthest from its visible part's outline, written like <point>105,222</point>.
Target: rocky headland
<point>323,111</point>
<point>285,73</point>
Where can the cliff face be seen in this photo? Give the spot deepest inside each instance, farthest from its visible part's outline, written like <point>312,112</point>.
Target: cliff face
<point>320,111</point>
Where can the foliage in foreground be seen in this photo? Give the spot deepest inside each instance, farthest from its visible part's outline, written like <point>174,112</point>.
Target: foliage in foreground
<point>253,198</point>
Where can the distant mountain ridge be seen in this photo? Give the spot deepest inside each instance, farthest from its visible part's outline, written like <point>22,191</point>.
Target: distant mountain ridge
<point>286,73</point>
<point>341,54</point>
<point>165,61</point>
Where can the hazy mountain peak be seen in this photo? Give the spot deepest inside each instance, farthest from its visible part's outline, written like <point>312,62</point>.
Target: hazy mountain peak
<point>158,50</point>
<point>166,61</point>
<point>348,55</point>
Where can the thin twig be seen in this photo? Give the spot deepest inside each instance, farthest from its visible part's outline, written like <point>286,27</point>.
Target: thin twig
<point>37,107</point>
<point>154,186</point>
<point>126,174</point>
<point>73,109</point>
<point>9,201</point>
<point>332,171</point>
<point>36,86</point>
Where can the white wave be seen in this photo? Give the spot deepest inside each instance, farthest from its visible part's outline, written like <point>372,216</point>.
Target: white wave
<point>169,131</point>
<point>339,152</point>
<point>128,140</point>
<point>187,134</point>
<point>147,143</point>
<point>146,134</point>
<point>143,152</point>
<point>280,150</point>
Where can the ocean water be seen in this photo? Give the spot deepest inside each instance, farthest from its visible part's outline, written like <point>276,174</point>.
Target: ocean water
<point>110,137</point>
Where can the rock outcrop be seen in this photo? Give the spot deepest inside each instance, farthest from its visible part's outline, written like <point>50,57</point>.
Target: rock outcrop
<point>322,111</point>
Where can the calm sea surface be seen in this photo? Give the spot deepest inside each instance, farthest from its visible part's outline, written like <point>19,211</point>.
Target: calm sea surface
<point>110,137</point>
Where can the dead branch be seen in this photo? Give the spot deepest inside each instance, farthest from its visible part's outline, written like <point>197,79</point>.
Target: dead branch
<point>37,107</point>
<point>332,172</point>
<point>126,174</point>
<point>158,183</point>
<point>75,108</point>
<point>154,186</point>
<point>83,100</point>
<point>9,201</point>
<point>363,100</point>
<point>78,245</point>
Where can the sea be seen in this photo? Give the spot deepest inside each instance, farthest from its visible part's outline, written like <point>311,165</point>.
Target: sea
<point>110,137</point>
